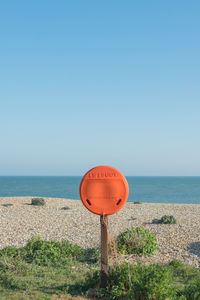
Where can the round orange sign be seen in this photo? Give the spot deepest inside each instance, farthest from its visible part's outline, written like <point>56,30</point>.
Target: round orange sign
<point>104,190</point>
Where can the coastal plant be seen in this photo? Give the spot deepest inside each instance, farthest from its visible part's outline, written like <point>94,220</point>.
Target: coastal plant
<point>192,291</point>
<point>165,220</point>
<point>47,253</point>
<point>129,281</point>
<point>24,276</point>
<point>8,280</point>
<point>38,201</point>
<point>92,255</point>
<point>137,240</point>
<point>9,251</point>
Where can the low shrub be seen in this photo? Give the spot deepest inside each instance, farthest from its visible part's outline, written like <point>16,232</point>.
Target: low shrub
<point>38,201</point>
<point>92,255</point>
<point>137,240</point>
<point>133,282</point>
<point>176,263</point>
<point>9,281</point>
<point>48,253</point>
<point>192,291</point>
<point>165,220</point>
<point>9,251</point>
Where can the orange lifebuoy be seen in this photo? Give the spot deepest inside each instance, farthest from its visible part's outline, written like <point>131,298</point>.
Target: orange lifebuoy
<point>104,190</point>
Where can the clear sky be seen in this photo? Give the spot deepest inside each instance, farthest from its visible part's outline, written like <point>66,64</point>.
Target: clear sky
<point>86,83</point>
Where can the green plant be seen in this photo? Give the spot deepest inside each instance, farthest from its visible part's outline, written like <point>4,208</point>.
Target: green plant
<point>165,220</point>
<point>92,255</point>
<point>43,268</point>
<point>38,201</point>
<point>176,263</point>
<point>9,281</point>
<point>67,269</point>
<point>192,291</point>
<point>153,282</point>
<point>187,275</point>
<point>9,251</point>
<point>47,253</point>
<point>127,281</point>
<point>137,240</point>
<point>168,220</point>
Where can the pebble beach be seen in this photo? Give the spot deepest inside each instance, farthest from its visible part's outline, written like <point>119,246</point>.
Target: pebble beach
<point>68,219</point>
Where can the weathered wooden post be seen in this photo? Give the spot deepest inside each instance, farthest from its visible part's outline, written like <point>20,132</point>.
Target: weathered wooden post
<point>104,191</point>
<point>104,251</point>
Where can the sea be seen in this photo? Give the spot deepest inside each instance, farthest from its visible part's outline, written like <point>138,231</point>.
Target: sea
<point>158,189</point>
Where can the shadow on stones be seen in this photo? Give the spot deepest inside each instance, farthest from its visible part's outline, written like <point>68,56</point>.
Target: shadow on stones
<point>132,219</point>
<point>155,221</point>
<point>194,248</point>
<point>7,204</point>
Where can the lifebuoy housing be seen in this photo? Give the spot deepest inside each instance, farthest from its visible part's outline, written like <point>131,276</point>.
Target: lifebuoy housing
<point>104,190</point>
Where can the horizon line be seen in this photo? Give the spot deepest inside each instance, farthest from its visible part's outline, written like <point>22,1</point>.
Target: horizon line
<point>84,174</point>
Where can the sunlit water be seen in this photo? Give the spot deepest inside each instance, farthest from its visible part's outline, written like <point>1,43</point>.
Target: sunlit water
<point>142,189</point>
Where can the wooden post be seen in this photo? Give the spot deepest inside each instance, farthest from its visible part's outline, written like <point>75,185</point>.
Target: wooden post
<point>104,251</point>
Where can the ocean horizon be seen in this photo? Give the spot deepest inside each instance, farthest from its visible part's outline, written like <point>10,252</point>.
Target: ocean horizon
<point>151,189</point>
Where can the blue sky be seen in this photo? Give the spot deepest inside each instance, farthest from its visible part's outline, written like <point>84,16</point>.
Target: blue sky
<point>86,83</point>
